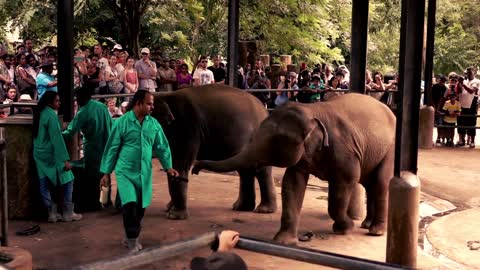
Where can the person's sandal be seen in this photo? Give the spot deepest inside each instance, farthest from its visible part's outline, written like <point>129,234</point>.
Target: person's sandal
<point>306,237</point>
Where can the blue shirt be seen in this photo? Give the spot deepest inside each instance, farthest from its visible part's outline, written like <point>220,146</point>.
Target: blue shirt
<point>43,79</point>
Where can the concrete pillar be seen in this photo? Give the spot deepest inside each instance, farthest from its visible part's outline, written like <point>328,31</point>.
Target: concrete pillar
<point>425,127</point>
<point>357,207</point>
<point>403,217</point>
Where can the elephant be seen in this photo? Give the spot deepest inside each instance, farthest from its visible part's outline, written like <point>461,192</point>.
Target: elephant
<point>212,122</point>
<point>347,140</point>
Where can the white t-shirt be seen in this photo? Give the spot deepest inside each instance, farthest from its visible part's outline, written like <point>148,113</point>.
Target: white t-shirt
<point>205,76</point>
<point>466,98</point>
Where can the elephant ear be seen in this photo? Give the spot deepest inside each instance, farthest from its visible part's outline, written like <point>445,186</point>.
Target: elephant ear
<point>319,124</point>
<point>164,112</point>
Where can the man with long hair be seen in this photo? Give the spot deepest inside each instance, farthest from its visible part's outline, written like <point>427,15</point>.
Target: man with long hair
<point>51,157</point>
<point>129,153</point>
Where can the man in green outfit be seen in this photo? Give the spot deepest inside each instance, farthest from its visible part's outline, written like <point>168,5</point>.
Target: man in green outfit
<point>129,152</point>
<point>94,121</point>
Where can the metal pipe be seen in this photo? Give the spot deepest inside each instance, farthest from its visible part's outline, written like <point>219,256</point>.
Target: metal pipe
<point>233,27</point>
<point>358,55</point>
<point>4,215</point>
<point>152,254</point>
<point>311,256</point>
<point>65,56</point>
<point>432,8</point>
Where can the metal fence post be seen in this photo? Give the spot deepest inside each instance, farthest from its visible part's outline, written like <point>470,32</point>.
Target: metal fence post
<point>3,177</point>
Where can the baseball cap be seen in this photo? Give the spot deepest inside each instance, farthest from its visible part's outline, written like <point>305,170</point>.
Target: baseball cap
<point>145,50</point>
<point>317,77</point>
<point>293,74</point>
<point>219,261</point>
<point>117,47</point>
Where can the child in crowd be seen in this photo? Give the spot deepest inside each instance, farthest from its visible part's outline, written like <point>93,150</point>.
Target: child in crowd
<point>452,110</point>
<point>112,108</point>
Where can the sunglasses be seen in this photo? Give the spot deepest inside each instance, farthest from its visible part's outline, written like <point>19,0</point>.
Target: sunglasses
<point>203,62</point>
<point>144,53</point>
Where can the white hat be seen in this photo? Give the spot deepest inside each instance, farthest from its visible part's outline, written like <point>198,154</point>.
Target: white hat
<point>117,47</point>
<point>25,97</point>
<point>124,104</point>
<point>145,50</point>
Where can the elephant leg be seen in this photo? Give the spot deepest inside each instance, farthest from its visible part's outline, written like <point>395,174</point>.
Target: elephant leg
<point>246,194</point>
<point>177,207</point>
<point>268,203</point>
<point>294,184</point>
<point>370,206</point>
<point>340,189</point>
<point>379,194</point>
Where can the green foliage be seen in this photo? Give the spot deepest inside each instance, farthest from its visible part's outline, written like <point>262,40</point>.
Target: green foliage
<point>312,31</point>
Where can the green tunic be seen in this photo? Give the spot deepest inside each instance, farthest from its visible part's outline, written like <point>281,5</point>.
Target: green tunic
<point>49,150</point>
<point>129,152</point>
<point>95,123</point>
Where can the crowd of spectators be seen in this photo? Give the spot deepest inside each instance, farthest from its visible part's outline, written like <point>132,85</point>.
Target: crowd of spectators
<point>26,74</point>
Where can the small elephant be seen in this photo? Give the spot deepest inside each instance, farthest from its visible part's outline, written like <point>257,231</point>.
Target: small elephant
<point>212,122</point>
<point>347,140</point>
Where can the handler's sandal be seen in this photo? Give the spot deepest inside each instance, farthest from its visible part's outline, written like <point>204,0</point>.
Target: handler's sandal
<point>134,245</point>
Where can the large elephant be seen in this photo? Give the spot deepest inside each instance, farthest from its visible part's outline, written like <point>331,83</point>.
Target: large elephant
<point>348,140</point>
<point>213,122</point>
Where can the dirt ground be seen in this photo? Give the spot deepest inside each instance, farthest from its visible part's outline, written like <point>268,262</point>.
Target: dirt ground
<point>98,235</point>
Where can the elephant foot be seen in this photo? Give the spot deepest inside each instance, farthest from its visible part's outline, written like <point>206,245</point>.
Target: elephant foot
<point>241,205</point>
<point>366,224</point>
<point>266,208</point>
<point>285,238</point>
<point>168,206</point>
<point>377,229</point>
<point>177,214</point>
<point>342,227</point>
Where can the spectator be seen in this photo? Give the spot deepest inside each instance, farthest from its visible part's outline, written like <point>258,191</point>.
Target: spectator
<point>184,79</point>
<point>112,77</point>
<point>335,83</point>
<point>469,102</point>
<point>219,73</point>
<point>202,75</point>
<point>147,71</point>
<point>223,258</point>
<point>25,81</point>
<point>286,83</point>
<point>377,85</point>
<point>166,76</point>
<point>113,110</point>
<point>452,110</point>
<point>310,93</point>
<point>438,92</point>
<point>45,80</point>
<point>130,77</point>
<point>51,157</point>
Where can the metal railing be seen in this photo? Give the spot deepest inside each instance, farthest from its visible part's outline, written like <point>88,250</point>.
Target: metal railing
<point>4,188</point>
<point>163,252</point>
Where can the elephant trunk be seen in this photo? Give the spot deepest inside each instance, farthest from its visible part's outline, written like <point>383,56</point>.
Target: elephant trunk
<point>242,160</point>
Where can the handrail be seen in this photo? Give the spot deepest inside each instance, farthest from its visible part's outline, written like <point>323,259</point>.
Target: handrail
<point>162,252</point>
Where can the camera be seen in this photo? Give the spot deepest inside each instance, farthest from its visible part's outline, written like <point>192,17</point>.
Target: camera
<point>287,81</point>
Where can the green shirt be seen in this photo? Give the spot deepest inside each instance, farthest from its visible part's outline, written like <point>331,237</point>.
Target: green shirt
<point>94,121</point>
<point>49,150</point>
<point>129,152</point>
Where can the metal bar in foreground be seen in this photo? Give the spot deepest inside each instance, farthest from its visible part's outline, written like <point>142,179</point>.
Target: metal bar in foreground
<point>4,188</point>
<point>152,254</point>
<point>312,256</point>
